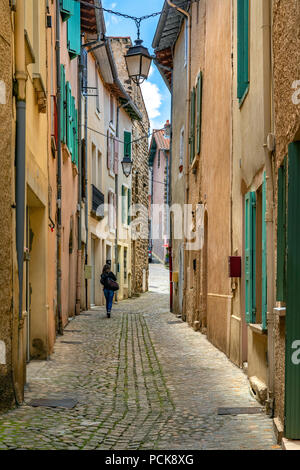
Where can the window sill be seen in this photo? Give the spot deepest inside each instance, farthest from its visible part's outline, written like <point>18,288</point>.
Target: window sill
<point>257,328</point>
<point>280,312</point>
<point>241,101</point>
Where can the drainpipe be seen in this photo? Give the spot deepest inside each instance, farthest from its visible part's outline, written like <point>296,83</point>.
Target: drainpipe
<point>86,188</point>
<point>117,202</point>
<point>21,77</point>
<point>267,63</point>
<point>79,251</point>
<point>58,239</point>
<point>187,129</point>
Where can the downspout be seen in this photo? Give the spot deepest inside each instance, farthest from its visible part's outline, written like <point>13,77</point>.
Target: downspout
<point>187,133</point>
<point>86,186</point>
<point>268,122</point>
<point>117,202</point>
<point>21,78</point>
<point>58,240</point>
<point>79,250</point>
<point>170,205</point>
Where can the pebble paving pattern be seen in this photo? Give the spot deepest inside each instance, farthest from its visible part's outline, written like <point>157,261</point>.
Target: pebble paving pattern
<point>143,380</point>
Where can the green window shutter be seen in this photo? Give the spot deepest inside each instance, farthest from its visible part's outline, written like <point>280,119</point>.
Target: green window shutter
<point>75,159</point>
<point>69,117</point>
<point>281,235</point>
<point>74,39</point>
<point>199,111</point>
<point>242,47</point>
<point>127,144</point>
<point>292,320</point>
<point>66,9</point>
<point>123,205</point>
<point>63,104</point>
<point>264,255</point>
<point>192,123</point>
<point>129,205</point>
<point>250,255</point>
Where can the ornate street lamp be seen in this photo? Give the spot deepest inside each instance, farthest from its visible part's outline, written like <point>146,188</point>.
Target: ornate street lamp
<point>127,166</point>
<point>138,61</point>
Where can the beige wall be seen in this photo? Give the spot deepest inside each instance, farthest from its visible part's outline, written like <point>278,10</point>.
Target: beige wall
<point>251,125</point>
<point>178,178</point>
<point>69,230</point>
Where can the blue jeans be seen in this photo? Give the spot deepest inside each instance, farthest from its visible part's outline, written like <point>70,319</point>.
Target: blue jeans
<point>109,295</point>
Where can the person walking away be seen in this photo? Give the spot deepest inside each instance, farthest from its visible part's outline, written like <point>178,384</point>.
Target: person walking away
<point>108,280</point>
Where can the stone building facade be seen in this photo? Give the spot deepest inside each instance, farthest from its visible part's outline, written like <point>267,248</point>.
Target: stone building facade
<point>11,368</point>
<point>140,172</point>
<point>286,116</point>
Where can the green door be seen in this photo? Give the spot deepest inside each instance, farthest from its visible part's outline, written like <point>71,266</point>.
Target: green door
<point>292,374</point>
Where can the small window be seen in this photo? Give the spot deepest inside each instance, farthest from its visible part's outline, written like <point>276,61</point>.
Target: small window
<point>112,110</point>
<point>181,155</point>
<point>97,89</point>
<point>242,48</point>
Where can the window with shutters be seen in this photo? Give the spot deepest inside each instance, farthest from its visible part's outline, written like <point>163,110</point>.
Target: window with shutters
<point>256,257</point>
<point>127,144</point>
<point>74,33</point>
<point>282,233</point>
<point>242,49</point>
<point>97,89</point>
<point>125,199</point>
<point>199,111</point>
<point>129,207</point>
<point>192,125</point>
<point>63,104</point>
<point>111,153</point>
<point>66,9</point>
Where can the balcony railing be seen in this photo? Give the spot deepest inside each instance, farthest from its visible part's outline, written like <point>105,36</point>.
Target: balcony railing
<point>97,202</point>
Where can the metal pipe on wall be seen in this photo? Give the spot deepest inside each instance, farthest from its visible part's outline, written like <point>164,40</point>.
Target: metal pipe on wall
<point>79,250</point>
<point>21,77</point>
<point>59,188</point>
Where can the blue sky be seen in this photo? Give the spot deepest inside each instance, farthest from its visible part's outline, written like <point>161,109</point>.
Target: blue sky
<point>156,94</point>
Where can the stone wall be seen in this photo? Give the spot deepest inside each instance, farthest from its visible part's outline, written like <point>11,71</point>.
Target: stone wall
<point>8,274</point>
<point>140,170</point>
<point>286,64</point>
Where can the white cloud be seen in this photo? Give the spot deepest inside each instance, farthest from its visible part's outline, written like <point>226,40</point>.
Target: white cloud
<point>153,100</point>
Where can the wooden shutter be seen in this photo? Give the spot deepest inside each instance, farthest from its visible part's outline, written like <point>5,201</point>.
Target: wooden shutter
<point>242,47</point>
<point>109,150</point>
<point>264,255</point>
<point>69,130</point>
<point>192,125</point>
<point>127,144</point>
<point>199,111</point>
<point>250,254</point>
<point>63,104</point>
<point>116,156</point>
<point>74,40</point>
<point>123,205</point>
<point>292,321</point>
<point>75,131</point>
<point>281,235</point>
<point>129,205</point>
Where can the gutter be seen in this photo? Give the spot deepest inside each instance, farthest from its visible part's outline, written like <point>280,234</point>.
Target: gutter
<point>118,83</point>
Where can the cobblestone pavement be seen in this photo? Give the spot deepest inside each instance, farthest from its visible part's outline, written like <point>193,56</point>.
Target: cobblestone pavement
<point>143,380</point>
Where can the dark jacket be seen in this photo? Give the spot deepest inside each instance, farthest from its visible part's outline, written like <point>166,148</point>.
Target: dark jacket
<point>105,277</point>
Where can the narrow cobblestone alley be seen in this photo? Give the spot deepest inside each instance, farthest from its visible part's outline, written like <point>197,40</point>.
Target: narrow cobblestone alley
<point>143,380</point>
